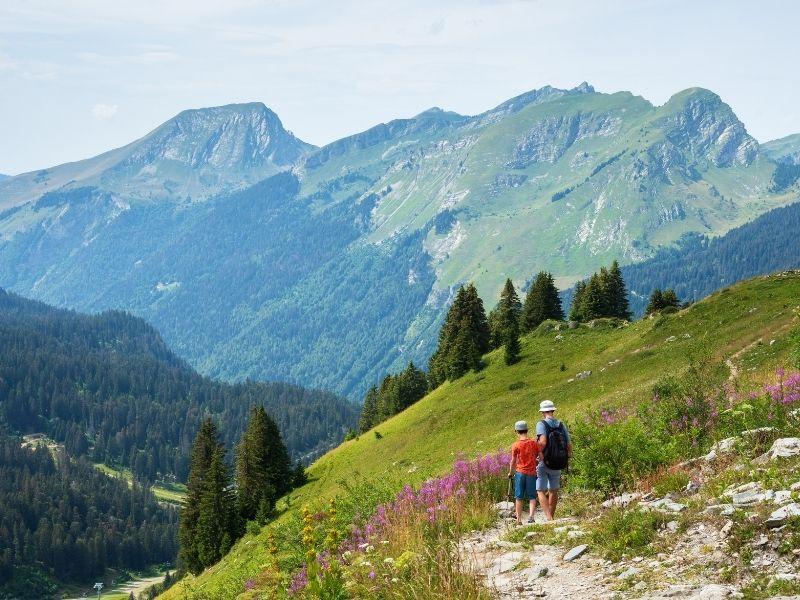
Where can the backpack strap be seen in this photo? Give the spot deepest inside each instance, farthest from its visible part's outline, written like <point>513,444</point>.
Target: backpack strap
<point>547,428</point>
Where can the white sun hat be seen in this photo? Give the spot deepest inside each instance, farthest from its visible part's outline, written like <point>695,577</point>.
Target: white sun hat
<point>546,406</point>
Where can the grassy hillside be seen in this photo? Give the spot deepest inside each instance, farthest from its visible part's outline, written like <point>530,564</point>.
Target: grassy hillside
<point>474,414</point>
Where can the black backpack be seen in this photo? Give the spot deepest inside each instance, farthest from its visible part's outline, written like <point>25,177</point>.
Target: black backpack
<point>555,452</point>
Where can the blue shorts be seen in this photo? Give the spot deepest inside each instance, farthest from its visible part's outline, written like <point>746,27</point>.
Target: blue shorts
<point>547,479</point>
<point>524,486</point>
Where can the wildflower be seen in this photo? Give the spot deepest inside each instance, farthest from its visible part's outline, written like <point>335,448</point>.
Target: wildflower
<point>388,560</point>
<point>394,579</point>
<point>372,574</point>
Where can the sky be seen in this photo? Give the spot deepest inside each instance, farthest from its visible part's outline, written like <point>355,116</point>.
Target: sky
<point>79,77</point>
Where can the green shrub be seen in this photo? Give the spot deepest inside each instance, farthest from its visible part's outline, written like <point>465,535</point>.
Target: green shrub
<point>671,481</point>
<point>630,532</point>
<point>610,457</point>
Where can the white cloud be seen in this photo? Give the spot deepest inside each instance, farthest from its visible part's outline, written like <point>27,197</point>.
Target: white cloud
<point>104,112</point>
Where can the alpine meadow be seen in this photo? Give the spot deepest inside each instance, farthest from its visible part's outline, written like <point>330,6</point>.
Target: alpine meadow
<point>313,301</point>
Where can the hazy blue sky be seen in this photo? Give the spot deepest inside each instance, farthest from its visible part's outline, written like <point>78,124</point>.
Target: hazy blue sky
<point>78,77</point>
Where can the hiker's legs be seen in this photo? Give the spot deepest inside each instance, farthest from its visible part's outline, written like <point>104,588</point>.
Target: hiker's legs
<point>553,502</point>
<point>518,509</point>
<point>532,506</point>
<point>545,504</point>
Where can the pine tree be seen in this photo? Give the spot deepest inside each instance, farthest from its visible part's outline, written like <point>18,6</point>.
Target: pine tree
<point>542,302</point>
<point>215,528</point>
<point>671,299</point>
<point>253,481</point>
<point>464,335</point>
<point>369,411</point>
<point>505,316</point>
<point>412,385</point>
<point>656,302</point>
<point>594,299</point>
<point>617,294</point>
<point>464,354</point>
<point>511,343</point>
<point>576,309</point>
<point>206,443</point>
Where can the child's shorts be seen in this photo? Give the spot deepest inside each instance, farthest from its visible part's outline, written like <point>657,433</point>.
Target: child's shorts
<point>524,486</point>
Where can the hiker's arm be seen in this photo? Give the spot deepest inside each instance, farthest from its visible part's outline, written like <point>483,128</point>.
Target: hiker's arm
<point>513,465</point>
<point>569,449</point>
<point>541,439</point>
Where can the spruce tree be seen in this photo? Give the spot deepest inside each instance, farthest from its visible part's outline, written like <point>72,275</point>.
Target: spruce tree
<point>542,302</point>
<point>206,443</point>
<point>656,302</point>
<point>412,385</point>
<point>670,299</point>
<point>576,309</point>
<point>511,343</point>
<point>617,294</point>
<point>464,355</point>
<point>253,480</point>
<point>464,334</point>
<point>215,532</point>
<point>506,315</point>
<point>369,411</point>
<point>594,299</point>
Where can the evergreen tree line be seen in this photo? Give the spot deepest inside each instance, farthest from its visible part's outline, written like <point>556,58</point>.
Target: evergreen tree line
<point>108,388</point>
<point>218,504</point>
<point>70,521</point>
<point>661,300</point>
<point>602,295</point>
<point>394,394</point>
<point>698,266</point>
<point>466,334</point>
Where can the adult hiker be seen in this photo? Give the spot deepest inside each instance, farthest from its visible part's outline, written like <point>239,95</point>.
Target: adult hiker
<point>556,448</point>
<point>524,455</point>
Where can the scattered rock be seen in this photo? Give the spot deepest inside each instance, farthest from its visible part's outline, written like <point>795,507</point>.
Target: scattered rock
<point>671,338</point>
<point>572,324</point>
<point>725,510</point>
<point>750,498</point>
<point>795,487</point>
<point>673,526</point>
<point>628,573</point>
<point>713,591</point>
<point>640,586</point>
<point>779,516</point>
<point>726,529</point>
<point>785,448</point>
<point>667,505</point>
<point>621,501</point>
<point>787,577</point>
<point>782,497</point>
<point>583,375</point>
<point>575,552</point>
<point>543,572</point>
<point>504,509</point>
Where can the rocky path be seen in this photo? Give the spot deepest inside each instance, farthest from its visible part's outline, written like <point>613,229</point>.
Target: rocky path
<point>514,571</point>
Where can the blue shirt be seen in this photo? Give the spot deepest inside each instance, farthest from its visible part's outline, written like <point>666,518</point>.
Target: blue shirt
<point>553,422</point>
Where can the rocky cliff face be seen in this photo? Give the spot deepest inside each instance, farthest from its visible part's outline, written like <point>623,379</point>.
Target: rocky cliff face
<point>194,155</point>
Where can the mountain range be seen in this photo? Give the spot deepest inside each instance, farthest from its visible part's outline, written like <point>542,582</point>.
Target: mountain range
<point>260,256</point>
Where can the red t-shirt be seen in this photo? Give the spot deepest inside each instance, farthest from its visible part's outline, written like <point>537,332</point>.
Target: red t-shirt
<point>527,453</point>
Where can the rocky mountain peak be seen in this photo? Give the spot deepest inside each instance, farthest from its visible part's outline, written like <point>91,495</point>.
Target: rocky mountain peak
<point>700,121</point>
<point>223,137</point>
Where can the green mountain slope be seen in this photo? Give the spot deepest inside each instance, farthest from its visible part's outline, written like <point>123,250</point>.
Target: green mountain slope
<point>474,414</point>
<point>335,265</point>
<point>108,388</point>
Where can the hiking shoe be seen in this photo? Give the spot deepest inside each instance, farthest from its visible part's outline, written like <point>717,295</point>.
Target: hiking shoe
<point>531,520</point>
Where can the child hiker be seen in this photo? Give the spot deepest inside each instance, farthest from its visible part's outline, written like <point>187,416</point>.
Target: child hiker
<point>524,457</point>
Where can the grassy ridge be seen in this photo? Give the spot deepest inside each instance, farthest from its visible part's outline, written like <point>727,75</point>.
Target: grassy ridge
<point>474,414</point>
